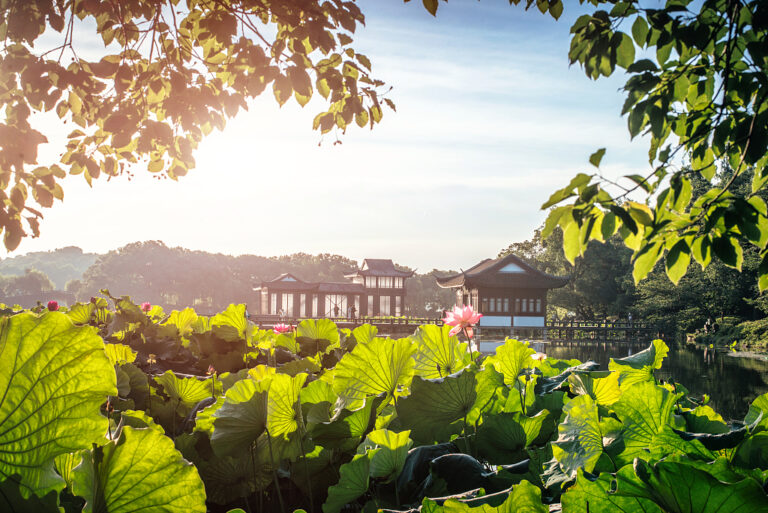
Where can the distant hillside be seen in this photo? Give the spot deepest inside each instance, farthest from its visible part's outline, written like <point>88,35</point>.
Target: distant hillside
<point>60,265</point>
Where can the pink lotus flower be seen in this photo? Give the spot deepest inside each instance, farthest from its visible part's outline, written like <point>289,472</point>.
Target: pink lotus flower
<point>282,328</point>
<point>146,307</point>
<point>462,318</point>
<point>53,306</point>
<point>211,370</point>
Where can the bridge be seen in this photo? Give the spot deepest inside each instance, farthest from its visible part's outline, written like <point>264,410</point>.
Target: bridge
<point>552,330</point>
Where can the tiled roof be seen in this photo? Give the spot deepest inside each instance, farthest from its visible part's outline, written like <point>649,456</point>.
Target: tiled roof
<point>488,274</point>
<point>379,267</point>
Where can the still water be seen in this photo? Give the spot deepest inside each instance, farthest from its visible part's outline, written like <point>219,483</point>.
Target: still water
<point>732,382</point>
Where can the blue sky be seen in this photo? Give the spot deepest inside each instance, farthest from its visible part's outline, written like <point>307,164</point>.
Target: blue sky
<point>490,120</point>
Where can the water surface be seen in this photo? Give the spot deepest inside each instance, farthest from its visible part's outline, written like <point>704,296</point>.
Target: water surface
<point>732,382</point>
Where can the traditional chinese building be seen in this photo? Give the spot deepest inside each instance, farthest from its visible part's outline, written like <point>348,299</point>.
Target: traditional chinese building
<point>507,291</point>
<point>377,288</point>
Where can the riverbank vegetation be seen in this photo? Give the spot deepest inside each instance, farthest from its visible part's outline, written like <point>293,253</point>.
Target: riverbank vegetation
<point>114,406</point>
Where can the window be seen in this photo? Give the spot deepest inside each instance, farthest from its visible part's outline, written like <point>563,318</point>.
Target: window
<point>335,305</point>
<point>492,305</point>
<point>370,282</point>
<point>398,305</point>
<point>303,305</point>
<point>506,304</point>
<point>287,305</point>
<point>538,305</point>
<point>484,305</point>
<point>273,304</point>
<point>385,282</point>
<point>525,305</point>
<point>370,306</point>
<point>314,305</point>
<point>398,283</point>
<point>498,304</point>
<point>517,305</point>
<point>264,301</point>
<point>474,300</point>
<point>357,306</point>
<point>384,305</point>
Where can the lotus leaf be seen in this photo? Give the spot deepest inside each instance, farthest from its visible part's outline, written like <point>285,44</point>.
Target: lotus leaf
<point>142,470</point>
<point>602,386</point>
<point>390,450</point>
<point>119,353</point>
<point>353,482</point>
<point>595,495</point>
<point>283,404</point>
<point>378,367</point>
<point>241,418</point>
<point>501,438</point>
<point>580,443</point>
<point>435,406</point>
<point>511,358</point>
<point>639,367</point>
<point>185,393</point>
<point>54,376</point>
<point>316,336</point>
<point>438,354</point>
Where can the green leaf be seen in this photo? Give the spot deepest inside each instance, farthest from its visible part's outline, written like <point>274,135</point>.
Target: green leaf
<point>141,471</point>
<point>377,367</point>
<point>316,336</point>
<point>677,487</point>
<point>597,157</point>
<point>729,251</point>
<point>646,259</point>
<point>435,406</point>
<point>54,377</point>
<point>677,261</point>
<point>502,437</point>
<point>595,495</point>
<point>241,419</point>
<point>644,409</point>
<point>702,250</point>
<point>282,408</point>
<point>353,483</point>
<point>640,30</point>
<point>625,53</point>
<point>390,451</point>
<point>580,440</point>
<point>184,393</point>
<point>511,358</point>
<point>602,386</point>
<point>438,353</point>
<point>640,366</point>
<point>230,324</point>
<point>346,428</point>
<point>119,353</point>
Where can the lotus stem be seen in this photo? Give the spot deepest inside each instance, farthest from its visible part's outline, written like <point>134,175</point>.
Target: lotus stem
<point>274,472</point>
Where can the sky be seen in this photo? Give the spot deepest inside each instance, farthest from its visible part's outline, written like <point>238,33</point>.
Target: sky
<point>490,121</point>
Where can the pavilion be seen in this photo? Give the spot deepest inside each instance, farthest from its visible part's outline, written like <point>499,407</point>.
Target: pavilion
<point>508,292</point>
<point>377,288</point>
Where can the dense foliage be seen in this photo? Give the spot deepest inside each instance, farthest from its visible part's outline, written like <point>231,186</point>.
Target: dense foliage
<point>120,408</point>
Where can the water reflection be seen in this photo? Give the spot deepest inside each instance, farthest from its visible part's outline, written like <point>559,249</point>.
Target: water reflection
<point>731,382</point>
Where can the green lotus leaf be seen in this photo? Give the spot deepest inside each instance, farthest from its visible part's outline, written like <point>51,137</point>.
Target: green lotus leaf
<point>378,367</point>
<point>304,365</point>
<point>316,336</point>
<point>239,420</point>
<point>183,320</point>
<point>140,471</point>
<point>287,341</point>
<point>524,498</point>
<point>231,324</point>
<point>595,495</point>
<point>119,354</point>
<point>353,482</point>
<point>185,393</point>
<point>752,452</point>
<point>390,448</point>
<point>602,386</point>
<point>435,407</point>
<point>230,478</point>
<point>644,409</point>
<point>758,412</point>
<point>511,358</point>
<point>703,419</point>
<point>316,474</point>
<point>492,394</point>
<point>11,500</point>
<point>438,354</point>
<point>551,367</point>
<point>501,438</point>
<point>138,384</point>
<point>317,391</point>
<point>283,404</point>
<point>580,441</point>
<point>640,366</point>
<point>678,487</point>
<point>523,395</point>
<point>80,313</point>
<point>139,419</point>
<point>344,431</point>
<point>54,377</point>
<point>365,333</point>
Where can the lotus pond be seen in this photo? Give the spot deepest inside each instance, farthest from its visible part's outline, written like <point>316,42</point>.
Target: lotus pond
<point>108,407</point>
